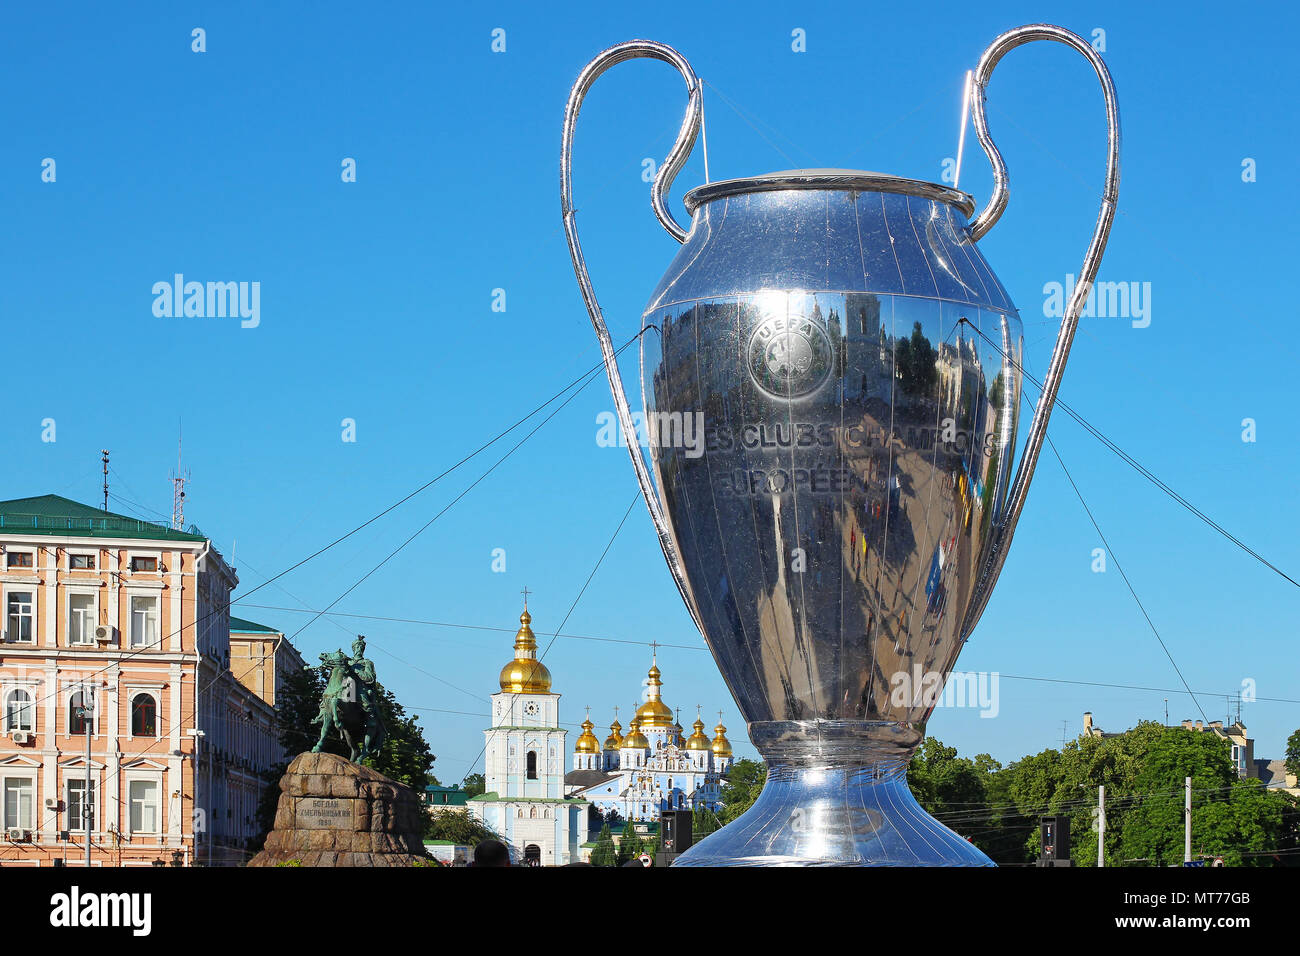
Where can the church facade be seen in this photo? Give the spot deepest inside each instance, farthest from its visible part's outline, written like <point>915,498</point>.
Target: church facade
<point>655,767</point>
<point>525,756</point>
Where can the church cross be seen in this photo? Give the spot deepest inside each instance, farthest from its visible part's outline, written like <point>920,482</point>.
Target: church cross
<point>654,651</point>
<point>525,592</point>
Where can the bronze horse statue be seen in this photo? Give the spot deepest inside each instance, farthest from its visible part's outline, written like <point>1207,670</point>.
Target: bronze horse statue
<point>348,705</point>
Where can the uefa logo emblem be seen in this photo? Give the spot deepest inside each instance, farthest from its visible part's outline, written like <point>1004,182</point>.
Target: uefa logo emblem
<point>789,356</point>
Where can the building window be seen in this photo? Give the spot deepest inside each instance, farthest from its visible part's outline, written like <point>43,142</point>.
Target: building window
<point>20,712</point>
<point>18,559</point>
<point>143,795</point>
<point>144,716</point>
<point>77,802</point>
<point>81,619</point>
<point>81,562</point>
<point>81,713</point>
<point>144,564</point>
<point>18,795</point>
<point>18,617</point>
<point>532,765</point>
<point>144,621</point>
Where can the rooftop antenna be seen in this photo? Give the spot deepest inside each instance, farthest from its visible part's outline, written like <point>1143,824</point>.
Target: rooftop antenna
<point>178,480</point>
<point>104,457</point>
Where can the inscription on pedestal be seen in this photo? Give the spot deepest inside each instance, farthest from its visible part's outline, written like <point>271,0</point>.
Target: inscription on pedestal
<point>323,813</point>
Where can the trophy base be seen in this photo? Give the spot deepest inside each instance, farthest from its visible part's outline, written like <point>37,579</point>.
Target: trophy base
<point>836,795</point>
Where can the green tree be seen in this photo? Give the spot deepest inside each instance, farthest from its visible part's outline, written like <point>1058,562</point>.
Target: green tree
<point>1153,830</point>
<point>474,784</point>
<point>1293,754</point>
<point>958,789</point>
<point>631,845</point>
<point>997,391</point>
<point>914,361</point>
<point>1246,829</point>
<point>703,822</point>
<point>604,853</point>
<point>743,783</point>
<point>405,756</point>
<point>943,783</point>
<point>458,826</point>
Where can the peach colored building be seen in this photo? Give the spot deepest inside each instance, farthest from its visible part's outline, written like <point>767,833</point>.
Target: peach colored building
<point>115,633</point>
<point>261,658</point>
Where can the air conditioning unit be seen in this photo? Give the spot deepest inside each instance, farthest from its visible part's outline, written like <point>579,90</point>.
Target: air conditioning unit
<point>105,634</point>
<point>19,835</point>
<point>21,737</point>
<point>51,803</point>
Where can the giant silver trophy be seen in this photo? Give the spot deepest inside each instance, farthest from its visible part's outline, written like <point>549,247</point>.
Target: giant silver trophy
<point>854,364</point>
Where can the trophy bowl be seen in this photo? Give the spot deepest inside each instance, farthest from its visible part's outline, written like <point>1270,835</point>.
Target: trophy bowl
<point>831,379</point>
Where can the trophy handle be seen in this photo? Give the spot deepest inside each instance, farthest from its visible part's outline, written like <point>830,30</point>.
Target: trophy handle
<point>663,181</point>
<point>1087,273</point>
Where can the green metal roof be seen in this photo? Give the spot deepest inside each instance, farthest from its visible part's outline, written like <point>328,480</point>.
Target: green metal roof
<point>56,515</point>
<point>239,625</point>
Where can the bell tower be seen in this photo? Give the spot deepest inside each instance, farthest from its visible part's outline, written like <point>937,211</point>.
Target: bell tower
<point>525,755</point>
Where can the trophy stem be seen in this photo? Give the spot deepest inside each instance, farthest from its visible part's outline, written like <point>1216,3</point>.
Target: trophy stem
<point>836,795</point>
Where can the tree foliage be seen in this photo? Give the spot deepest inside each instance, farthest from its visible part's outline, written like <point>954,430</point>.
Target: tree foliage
<point>458,826</point>
<point>914,363</point>
<point>604,853</point>
<point>474,784</point>
<point>1143,772</point>
<point>405,757</point>
<point>703,822</point>
<point>741,787</point>
<point>630,846</point>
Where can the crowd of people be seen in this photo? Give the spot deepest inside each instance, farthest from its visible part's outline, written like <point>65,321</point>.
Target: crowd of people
<point>496,853</point>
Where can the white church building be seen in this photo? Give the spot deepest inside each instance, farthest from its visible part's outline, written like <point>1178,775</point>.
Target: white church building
<point>525,757</point>
<point>655,767</point>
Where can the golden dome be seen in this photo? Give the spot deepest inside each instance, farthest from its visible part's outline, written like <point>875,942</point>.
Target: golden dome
<point>615,739</point>
<point>525,674</point>
<point>721,745</point>
<point>654,712</point>
<point>697,740</point>
<point>634,736</point>
<point>587,742</point>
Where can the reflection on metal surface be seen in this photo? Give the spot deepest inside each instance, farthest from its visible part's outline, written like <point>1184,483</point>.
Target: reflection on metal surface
<point>831,328</point>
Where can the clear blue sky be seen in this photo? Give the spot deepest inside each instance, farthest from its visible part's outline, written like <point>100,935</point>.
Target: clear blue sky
<point>376,305</point>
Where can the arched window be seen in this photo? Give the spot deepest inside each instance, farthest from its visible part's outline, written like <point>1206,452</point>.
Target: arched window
<point>532,765</point>
<point>532,813</point>
<point>19,712</point>
<point>144,716</point>
<point>81,707</point>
